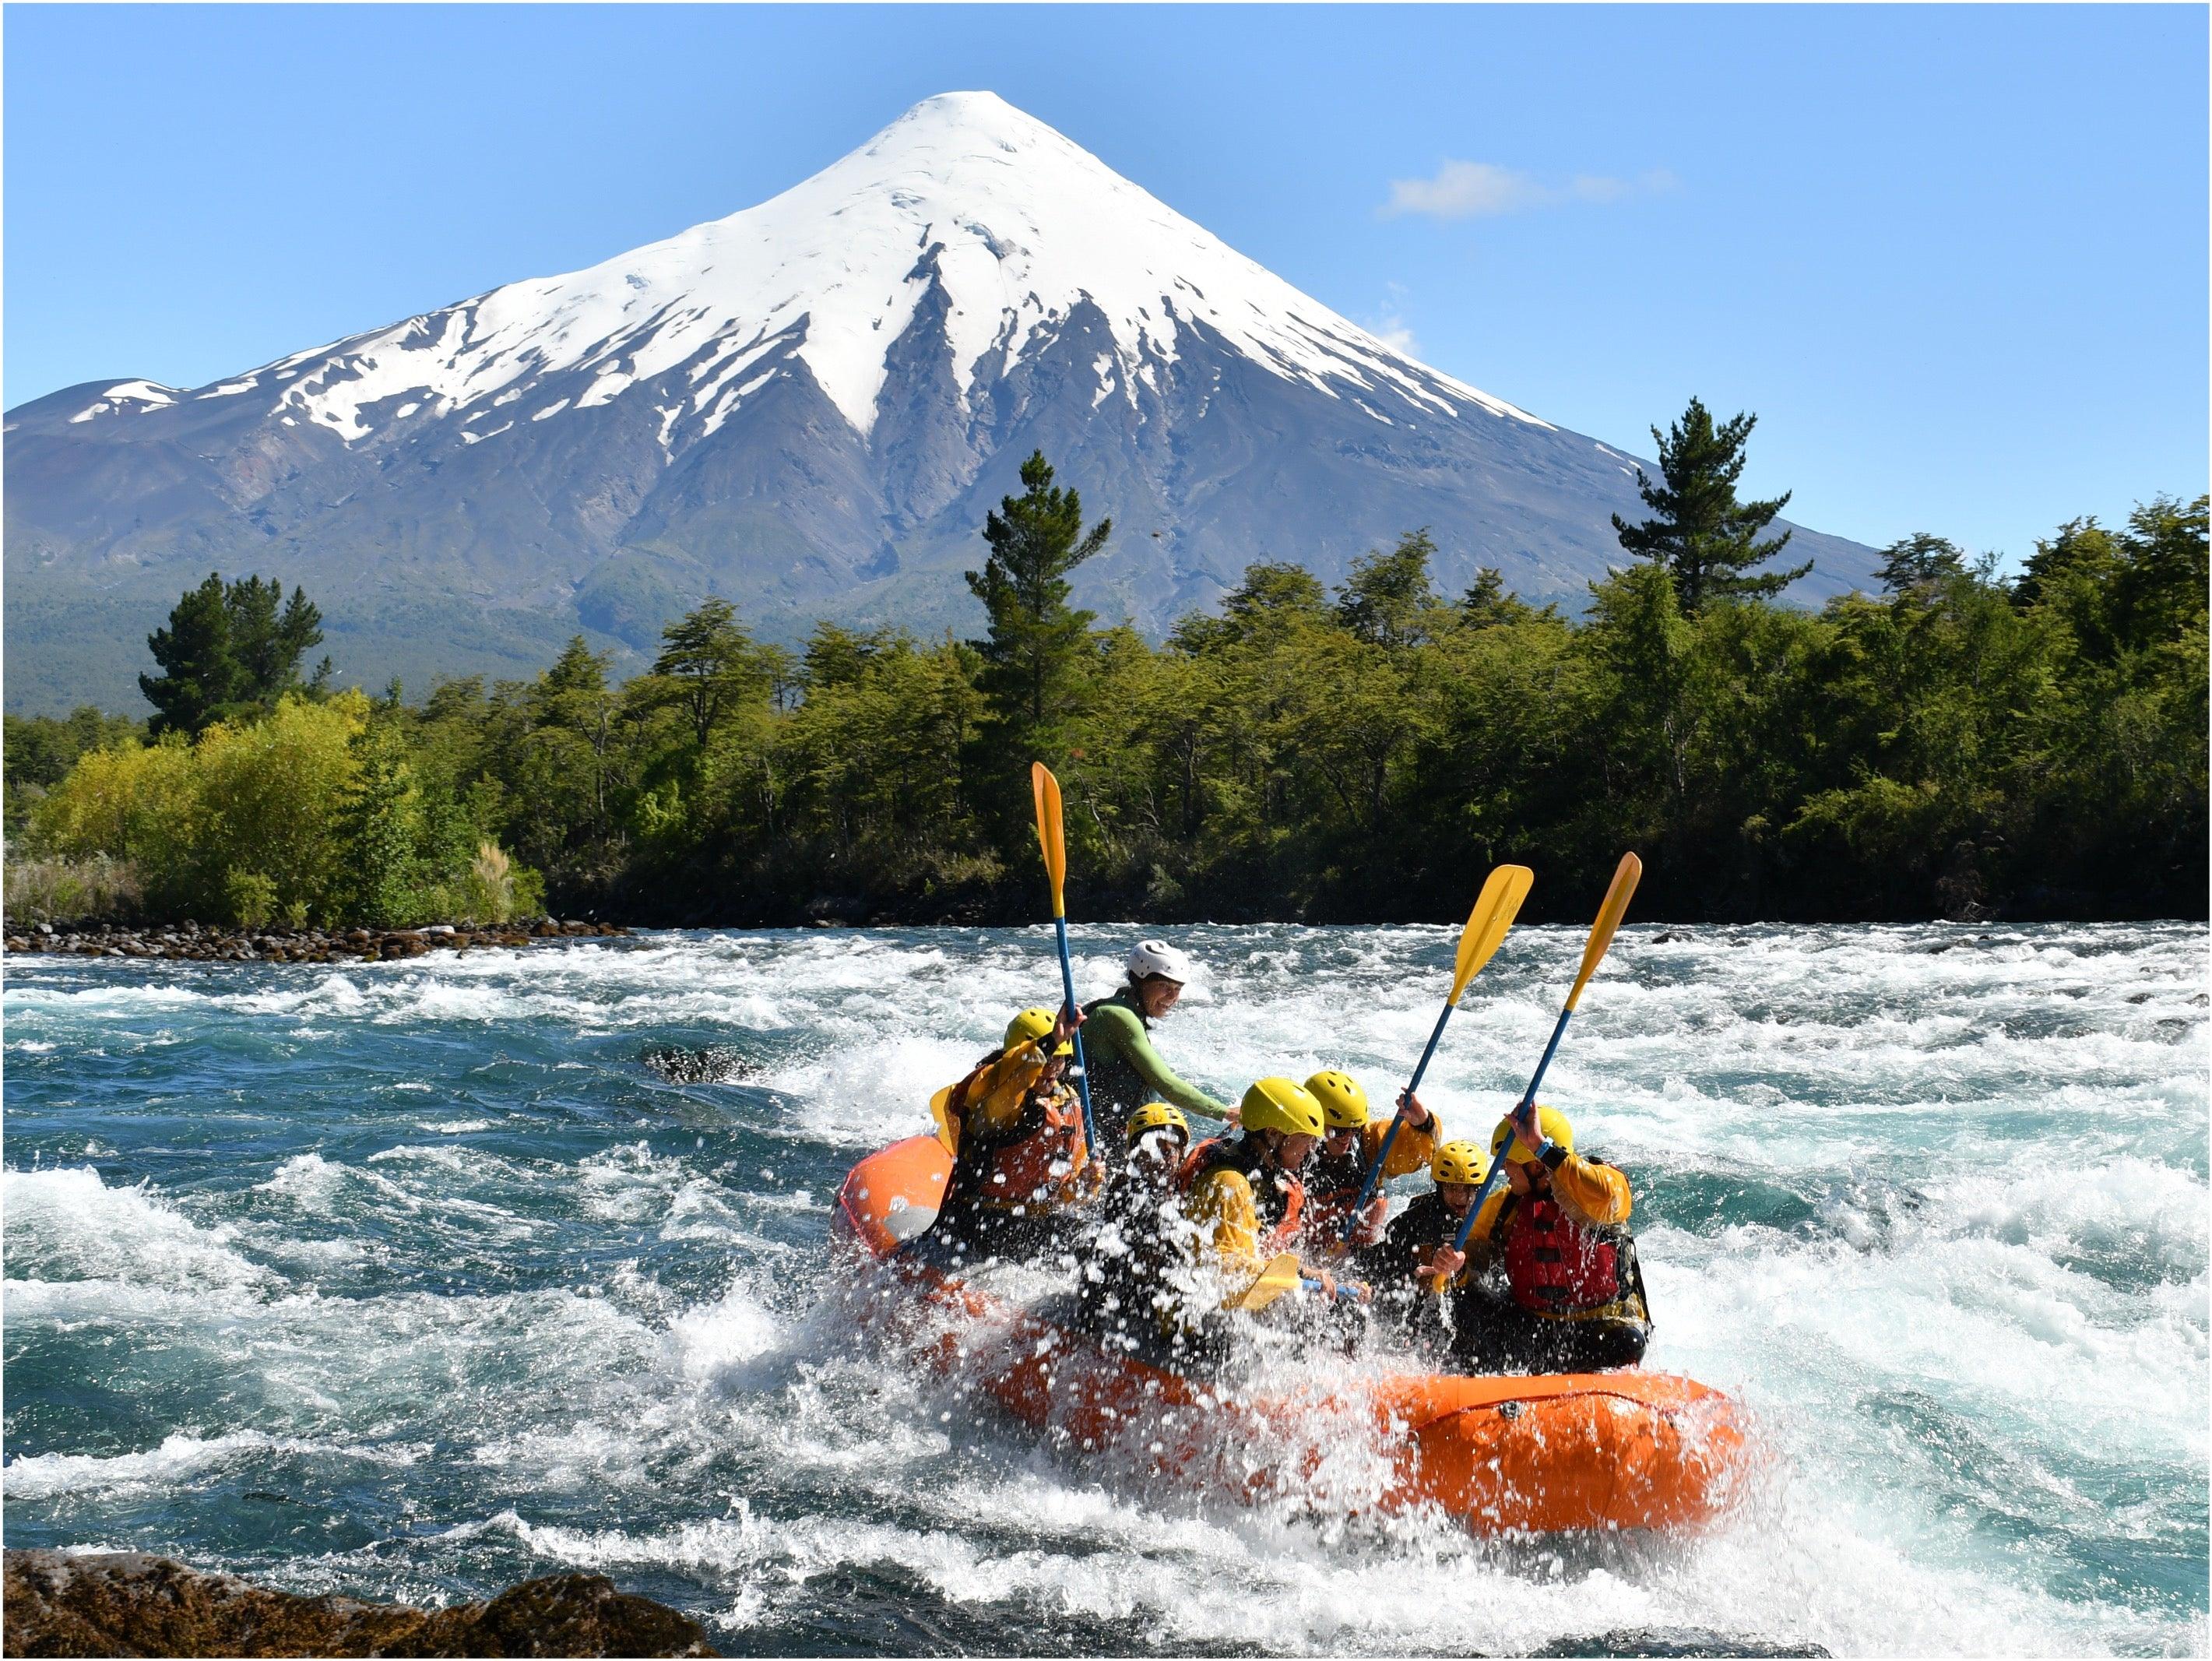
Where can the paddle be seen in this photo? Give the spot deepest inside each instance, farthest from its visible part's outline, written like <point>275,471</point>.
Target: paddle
<point>1600,937</point>
<point>1495,907</point>
<point>1281,1274</point>
<point>1046,788</point>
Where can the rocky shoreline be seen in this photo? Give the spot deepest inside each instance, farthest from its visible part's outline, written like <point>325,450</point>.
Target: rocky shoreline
<point>200,943</point>
<point>127,1603</point>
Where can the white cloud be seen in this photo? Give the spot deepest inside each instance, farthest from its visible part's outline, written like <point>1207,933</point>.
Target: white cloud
<point>1483,190</point>
<point>1390,326</point>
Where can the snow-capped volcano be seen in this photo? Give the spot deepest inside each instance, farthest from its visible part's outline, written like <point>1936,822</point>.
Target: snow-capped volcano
<point>1015,225</point>
<point>807,405</point>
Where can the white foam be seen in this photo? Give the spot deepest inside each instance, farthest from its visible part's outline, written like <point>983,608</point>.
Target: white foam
<point>65,1223</point>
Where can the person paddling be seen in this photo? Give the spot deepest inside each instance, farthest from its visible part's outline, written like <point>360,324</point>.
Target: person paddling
<point>1353,1143</point>
<point>1243,1196</point>
<point>1417,1252</point>
<point>1020,1164</point>
<point>1573,1300</point>
<point>1126,1070</point>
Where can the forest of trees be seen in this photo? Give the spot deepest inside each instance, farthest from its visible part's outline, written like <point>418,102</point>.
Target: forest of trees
<point>1961,744</point>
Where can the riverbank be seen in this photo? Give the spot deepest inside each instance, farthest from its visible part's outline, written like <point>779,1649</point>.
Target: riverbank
<point>129,1602</point>
<point>201,944</point>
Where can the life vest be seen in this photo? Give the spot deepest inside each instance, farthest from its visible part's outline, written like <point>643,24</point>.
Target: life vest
<point>1028,1163</point>
<point>1277,1195</point>
<point>1555,1265</point>
<point>1332,1184</point>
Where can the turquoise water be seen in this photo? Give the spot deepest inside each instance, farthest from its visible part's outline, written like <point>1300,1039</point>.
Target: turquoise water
<point>412,1279</point>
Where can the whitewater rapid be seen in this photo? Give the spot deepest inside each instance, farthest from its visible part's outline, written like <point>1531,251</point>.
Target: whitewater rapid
<point>413,1280</point>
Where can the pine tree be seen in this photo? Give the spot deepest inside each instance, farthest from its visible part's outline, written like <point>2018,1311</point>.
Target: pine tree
<point>229,649</point>
<point>1036,646</point>
<point>199,674</point>
<point>1706,539</point>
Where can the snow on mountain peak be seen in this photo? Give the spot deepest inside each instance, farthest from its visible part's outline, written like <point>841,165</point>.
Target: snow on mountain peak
<point>1018,224</point>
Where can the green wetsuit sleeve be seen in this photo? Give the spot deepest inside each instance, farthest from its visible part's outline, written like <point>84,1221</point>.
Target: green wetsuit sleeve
<point>1111,1027</point>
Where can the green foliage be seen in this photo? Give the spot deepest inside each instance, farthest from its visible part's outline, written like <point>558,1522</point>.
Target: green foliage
<point>1036,649</point>
<point>1919,561</point>
<point>229,651</point>
<point>40,750</point>
<point>1703,537</point>
<point>251,899</point>
<point>1954,746</point>
<point>315,811</point>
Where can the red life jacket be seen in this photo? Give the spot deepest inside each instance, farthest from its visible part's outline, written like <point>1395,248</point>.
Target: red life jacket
<point>1277,1195</point>
<point>1556,1266</point>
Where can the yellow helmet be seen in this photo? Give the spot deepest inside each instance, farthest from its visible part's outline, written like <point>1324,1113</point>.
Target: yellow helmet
<point>1549,1120</point>
<point>1460,1162</point>
<point>1157,1116</point>
<point>1035,1023</point>
<point>1279,1105</point>
<point>1343,1103</point>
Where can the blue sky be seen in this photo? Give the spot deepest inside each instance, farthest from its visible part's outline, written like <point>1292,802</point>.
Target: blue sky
<point>1954,256</point>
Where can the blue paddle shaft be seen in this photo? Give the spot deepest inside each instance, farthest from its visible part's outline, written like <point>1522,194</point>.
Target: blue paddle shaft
<point>1382,1154</point>
<point>1083,1073</point>
<point>1497,1164</point>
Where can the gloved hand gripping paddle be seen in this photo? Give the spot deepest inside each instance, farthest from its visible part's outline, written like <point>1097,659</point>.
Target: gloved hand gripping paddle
<point>1046,788</point>
<point>1600,937</point>
<point>1495,907</point>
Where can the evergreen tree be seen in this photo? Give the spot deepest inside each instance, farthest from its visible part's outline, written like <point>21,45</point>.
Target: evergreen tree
<point>1035,646</point>
<point>1489,604</point>
<point>1919,561</point>
<point>199,674</point>
<point>229,649</point>
<point>1706,540</point>
<point>578,671</point>
<point>269,643</point>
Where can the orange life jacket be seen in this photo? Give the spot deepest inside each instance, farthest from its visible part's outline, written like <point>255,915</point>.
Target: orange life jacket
<point>1027,1164</point>
<point>1278,1196</point>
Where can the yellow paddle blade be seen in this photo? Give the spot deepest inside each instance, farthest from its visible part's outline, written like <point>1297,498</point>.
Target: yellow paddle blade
<point>1495,907</point>
<point>1046,788</point>
<point>1280,1275</point>
<point>1608,919</point>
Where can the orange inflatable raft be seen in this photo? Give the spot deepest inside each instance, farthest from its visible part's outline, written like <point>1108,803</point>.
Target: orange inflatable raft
<point>1571,1452</point>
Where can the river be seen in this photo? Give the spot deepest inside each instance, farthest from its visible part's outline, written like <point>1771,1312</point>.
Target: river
<point>412,1279</point>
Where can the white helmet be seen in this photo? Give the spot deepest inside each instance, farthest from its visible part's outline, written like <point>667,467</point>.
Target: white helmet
<point>1150,957</point>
